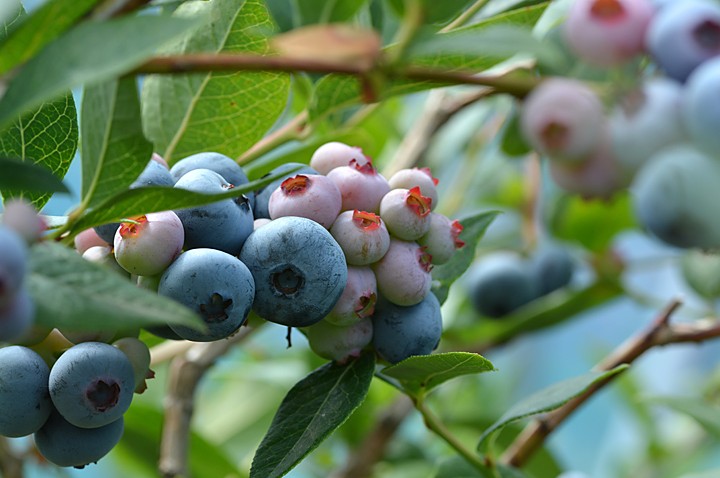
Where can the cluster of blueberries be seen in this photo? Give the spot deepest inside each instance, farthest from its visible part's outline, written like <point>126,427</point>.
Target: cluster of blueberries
<point>503,281</point>
<point>73,407</point>
<point>657,137</point>
<point>332,248</point>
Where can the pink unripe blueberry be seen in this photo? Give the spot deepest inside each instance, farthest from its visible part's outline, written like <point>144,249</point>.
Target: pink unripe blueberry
<point>608,32</point>
<point>420,177</point>
<point>139,355</point>
<point>442,239</point>
<point>259,222</point>
<point>335,154</point>
<point>20,215</point>
<point>360,185</point>
<point>340,343</point>
<point>403,274</point>
<point>87,239</point>
<point>357,300</point>
<point>150,243</point>
<point>562,118</point>
<point>310,196</point>
<point>104,255</point>
<point>406,213</point>
<point>362,236</point>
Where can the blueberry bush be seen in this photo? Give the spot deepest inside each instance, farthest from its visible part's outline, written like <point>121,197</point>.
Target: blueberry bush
<point>302,232</point>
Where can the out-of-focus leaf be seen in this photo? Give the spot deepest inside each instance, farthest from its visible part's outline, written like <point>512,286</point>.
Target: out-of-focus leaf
<point>457,467</point>
<point>18,176</point>
<point>339,43</point>
<point>701,271</point>
<point>513,142</point>
<point>707,415</point>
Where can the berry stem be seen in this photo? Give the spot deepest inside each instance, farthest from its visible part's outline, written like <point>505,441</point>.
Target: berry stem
<point>465,16</point>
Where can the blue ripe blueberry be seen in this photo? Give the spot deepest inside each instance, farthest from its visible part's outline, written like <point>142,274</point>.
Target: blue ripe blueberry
<point>221,164</point>
<point>362,236</point>
<point>13,264</point>
<point>313,196</point>
<point>671,194</point>
<point>92,384</point>
<point>420,177</point>
<point>222,225</point>
<point>701,105</point>
<point>442,239</point>
<point>64,444</point>
<point>216,285</point>
<point>553,267</point>
<point>500,283</point>
<point>684,34</point>
<point>340,343</point>
<point>148,244</point>
<point>406,213</point>
<point>262,196</point>
<point>403,274</point>
<point>357,300</point>
<point>24,397</point>
<point>106,232</point>
<point>361,186</point>
<point>401,332</point>
<point>17,317</point>
<point>299,271</point>
<point>335,154</point>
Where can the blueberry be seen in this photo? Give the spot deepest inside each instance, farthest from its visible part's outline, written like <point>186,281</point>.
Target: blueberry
<point>299,271</point>
<point>553,267</point>
<point>92,384</point>
<point>24,398</point>
<point>357,300</point>
<point>17,317</point>
<point>312,196</point>
<point>361,186</point>
<point>21,216</point>
<point>139,355</point>
<point>684,34</point>
<point>442,239</point>
<point>406,213</point>
<point>335,154</point>
<point>154,174</point>
<point>420,177</point>
<point>403,274</point>
<point>64,444</point>
<point>362,235</point>
<point>262,196</point>
<point>231,171</point>
<point>216,285</point>
<point>87,239</point>
<point>671,194</point>
<point>147,245</point>
<point>500,283</point>
<point>106,232</point>
<point>13,264</point>
<point>222,225</point>
<point>104,255</point>
<point>400,332</point>
<point>340,343</point>
<point>701,102</point>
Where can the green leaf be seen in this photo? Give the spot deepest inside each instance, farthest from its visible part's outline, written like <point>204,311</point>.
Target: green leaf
<point>707,415</point>
<point>47,137</point>
<point>114,149</point>
<point>143,200</point>
<point>223,112</point>
<point>428,371</point>
<point>592,223</point>
<point>327,11</point>
<point>313,408</point>
<point>444,275</point>
<point>334,92</point>
<point>77,57</point>
<point>435,11</point>
<point>11,16</point>
<point>75,294</point>
<point>701,271</point>
<point>513,141</point>
<point>550,398</point>
<point>37,30</point>
<point>18,176</point>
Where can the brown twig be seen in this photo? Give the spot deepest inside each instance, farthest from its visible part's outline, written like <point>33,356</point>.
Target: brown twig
<point>518,87</point>
<point>296,128</point>
<point>659,333</point>
<point>372,449</point>
<point>185,373</point>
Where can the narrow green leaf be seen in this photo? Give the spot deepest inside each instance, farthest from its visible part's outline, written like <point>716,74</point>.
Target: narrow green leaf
<point>18,177</point>
<point>444,275</point>
<point>135,202</point>
<point>707,415</point>
<point>550,398</point>
<point>75,294</point>
<point>37,30</point>
<point>334,92</point>
<point>311,410</point>
<point>223,112</point>
<point>114,149</point>
<point>77,57</point>
<point>47,137</point>
<point>428,371</point>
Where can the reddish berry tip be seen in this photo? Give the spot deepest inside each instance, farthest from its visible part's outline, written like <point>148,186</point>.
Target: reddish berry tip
<point>455,229</point>
<point>367,305</point>
<point>295,185</point>
<point>424,259</point>
<point>133,227</point>
<point>366,168</point>
<point>427,171</point>
<point>366,220</point>
<point>419,204</point>
<point>607,9</point>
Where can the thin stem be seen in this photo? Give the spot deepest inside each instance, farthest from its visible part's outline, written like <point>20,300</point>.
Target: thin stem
<point>295,129</point>
<point>465,16</point>
<point>436,425</point>
<point>408,28</point>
